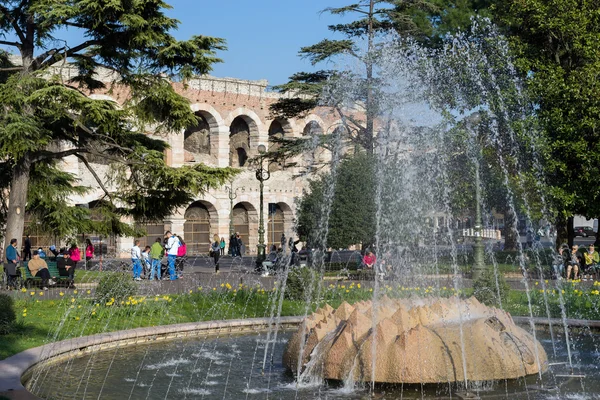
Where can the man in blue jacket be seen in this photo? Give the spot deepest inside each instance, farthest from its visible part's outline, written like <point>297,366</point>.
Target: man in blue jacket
<point>12,258</point>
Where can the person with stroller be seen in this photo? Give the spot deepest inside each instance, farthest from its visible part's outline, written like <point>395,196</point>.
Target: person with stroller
<point>12,261</point>
<point>38,267</point>
<point>172,247</point>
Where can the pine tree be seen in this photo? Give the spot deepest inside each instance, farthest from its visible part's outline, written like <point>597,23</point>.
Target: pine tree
<point>47,113</point>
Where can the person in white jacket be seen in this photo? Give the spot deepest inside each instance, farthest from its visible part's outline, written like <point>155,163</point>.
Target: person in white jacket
<point>172,246</point>
<point>136,256</point>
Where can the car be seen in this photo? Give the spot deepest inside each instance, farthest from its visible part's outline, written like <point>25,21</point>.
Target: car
<point>584,231</point>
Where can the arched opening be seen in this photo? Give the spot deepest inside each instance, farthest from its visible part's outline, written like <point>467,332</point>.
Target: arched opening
<point>276,131</point>
<point>197,228</point>
<point>196,141</point>
<point>276,225</point>
<point>239,142</point>
<point>241,223</point>
<point>311,132</point>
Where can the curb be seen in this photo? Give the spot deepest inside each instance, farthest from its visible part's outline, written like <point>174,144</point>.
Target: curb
<point>13,369</point>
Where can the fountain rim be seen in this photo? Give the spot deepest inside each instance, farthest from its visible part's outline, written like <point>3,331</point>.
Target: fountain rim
<point>15,368</point>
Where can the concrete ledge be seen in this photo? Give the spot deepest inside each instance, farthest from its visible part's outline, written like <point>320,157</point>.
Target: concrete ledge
<point>14,368</point>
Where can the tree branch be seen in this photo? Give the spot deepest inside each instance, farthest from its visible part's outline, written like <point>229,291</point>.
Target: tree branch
<point>54,155</point>
<point>70,52</point>
<point>95,175</point>
<point>10,69</point>
<point>13,22</point>
<point>16,44</point>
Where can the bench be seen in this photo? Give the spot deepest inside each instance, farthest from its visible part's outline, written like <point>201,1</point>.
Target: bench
<point>52,268</point>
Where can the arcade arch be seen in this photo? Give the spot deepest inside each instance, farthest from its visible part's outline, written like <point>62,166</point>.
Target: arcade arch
<point>200,218</point>
<point>244,222</point>
<point>239,140</point>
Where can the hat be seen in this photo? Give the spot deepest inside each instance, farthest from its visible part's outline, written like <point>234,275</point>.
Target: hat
<point>35,252</point>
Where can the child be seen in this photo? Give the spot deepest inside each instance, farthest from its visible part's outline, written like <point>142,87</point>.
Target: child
<point>135,260</point>
<point>146,261</point>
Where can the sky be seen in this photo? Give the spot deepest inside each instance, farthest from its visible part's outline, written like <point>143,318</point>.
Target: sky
<point>263,36</point>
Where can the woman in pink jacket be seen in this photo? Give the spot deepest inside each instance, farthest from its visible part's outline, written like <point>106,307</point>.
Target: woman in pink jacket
<point>89,252</point>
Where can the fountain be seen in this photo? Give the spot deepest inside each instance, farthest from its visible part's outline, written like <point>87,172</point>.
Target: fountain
<point>416,341</point>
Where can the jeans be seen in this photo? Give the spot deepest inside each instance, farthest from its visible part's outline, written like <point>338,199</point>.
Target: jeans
<point>155,268</point>
<point>137,268</point>
<point>171,259</point>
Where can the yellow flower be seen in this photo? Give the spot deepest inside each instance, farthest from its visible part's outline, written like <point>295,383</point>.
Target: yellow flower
<point>358,285</point>
<point>76,318</point>
<point>199,288</point>
<point>79,306</point>
<point>228,286</point>
<point>72,307</point>
<point>536,283</point>
<point>89,291</point>
<point>214,288</point>
<point>546,281</point>
<point>72,299</point>
<point>93,312</point>
<point>343,286</point>
<point>191,291</point>
<point>371,289</point>
<point>24,314</point>
<point>222,285</point>
<point>75,291</point>
<point>23,290</point>
<point>61,294</point>
<point>41,293</point>
<point>24,310</point>
<point>32,293</point>
<point>347,291</point>
<point>444,288</point>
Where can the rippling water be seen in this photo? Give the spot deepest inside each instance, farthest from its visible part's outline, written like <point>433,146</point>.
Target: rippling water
<point>231,368</point>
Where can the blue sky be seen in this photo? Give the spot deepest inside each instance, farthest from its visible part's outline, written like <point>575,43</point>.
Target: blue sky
<point>263,36</point>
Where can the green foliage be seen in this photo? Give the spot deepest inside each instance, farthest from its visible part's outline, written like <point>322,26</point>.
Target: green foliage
<point>352,217</point>
<point>491,289</point>
<point>46,118</point>
<point>300,283</point>
<point>556,46</point>
<point>7,313</point>
<point>115,287</point>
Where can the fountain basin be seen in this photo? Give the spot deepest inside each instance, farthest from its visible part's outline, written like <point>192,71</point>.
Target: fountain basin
<point>433,340</point>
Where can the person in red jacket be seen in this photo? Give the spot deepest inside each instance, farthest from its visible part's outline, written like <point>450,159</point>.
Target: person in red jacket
<point>75,253</point>
<point>89,252</point>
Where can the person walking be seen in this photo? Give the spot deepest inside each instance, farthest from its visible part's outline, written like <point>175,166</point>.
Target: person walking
<point>222,245</point>
<point>156,254</point>
<point>172,248</point>
<point>215,252</point>
<point>136,256</point>
<point>75,253</point>
<point>283,242</point>
<point>233,245</point>
<point>89,253</point>
<point>27,248</point>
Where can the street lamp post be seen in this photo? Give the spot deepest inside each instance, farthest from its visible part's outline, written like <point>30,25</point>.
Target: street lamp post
<point>262,175</point>
<point>478,255</point>
<point>232,196</point>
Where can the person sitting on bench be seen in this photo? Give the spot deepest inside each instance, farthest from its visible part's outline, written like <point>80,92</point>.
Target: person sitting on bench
<point>38,267</point>
<point>66,267</point>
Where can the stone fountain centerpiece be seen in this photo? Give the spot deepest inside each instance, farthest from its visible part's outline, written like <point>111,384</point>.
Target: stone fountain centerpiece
<point>432,340</point>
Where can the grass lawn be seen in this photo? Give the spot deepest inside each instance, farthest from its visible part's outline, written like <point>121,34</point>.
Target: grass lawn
<point>41,321</point>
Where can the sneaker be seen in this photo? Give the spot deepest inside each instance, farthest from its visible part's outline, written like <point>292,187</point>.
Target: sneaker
<point>51,282</point>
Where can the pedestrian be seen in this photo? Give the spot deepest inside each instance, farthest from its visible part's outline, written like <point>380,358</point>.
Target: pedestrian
<point>145,259</point>
<point>172,246</point>
<point>89,253</point>
<point>233,245</point>
<point>75,253</point>
<point>38,267</point>
<point>369,259</point>
<point>215,252</point>
<point>222,245</point>
<point>180,260</point>
<point>27,248</point>
<point>283,242</point>
<point>136,256</point>
<point>241,249</point>
<point>156,255</point>
<point>12,259</point>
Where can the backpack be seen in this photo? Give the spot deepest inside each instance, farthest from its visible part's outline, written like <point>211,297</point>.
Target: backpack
<point>181,251</point>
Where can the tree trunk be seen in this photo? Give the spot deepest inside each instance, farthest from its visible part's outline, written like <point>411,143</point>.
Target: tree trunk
<point>17,200</point>
<point>570,232</point>
<point>561,232</point>
<point>511,235</point>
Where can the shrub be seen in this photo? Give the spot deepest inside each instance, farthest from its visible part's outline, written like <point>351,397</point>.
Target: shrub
<point>299,282</point>
<point>490,289</point>
<point>117,285</point>
<point>7,313</point>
